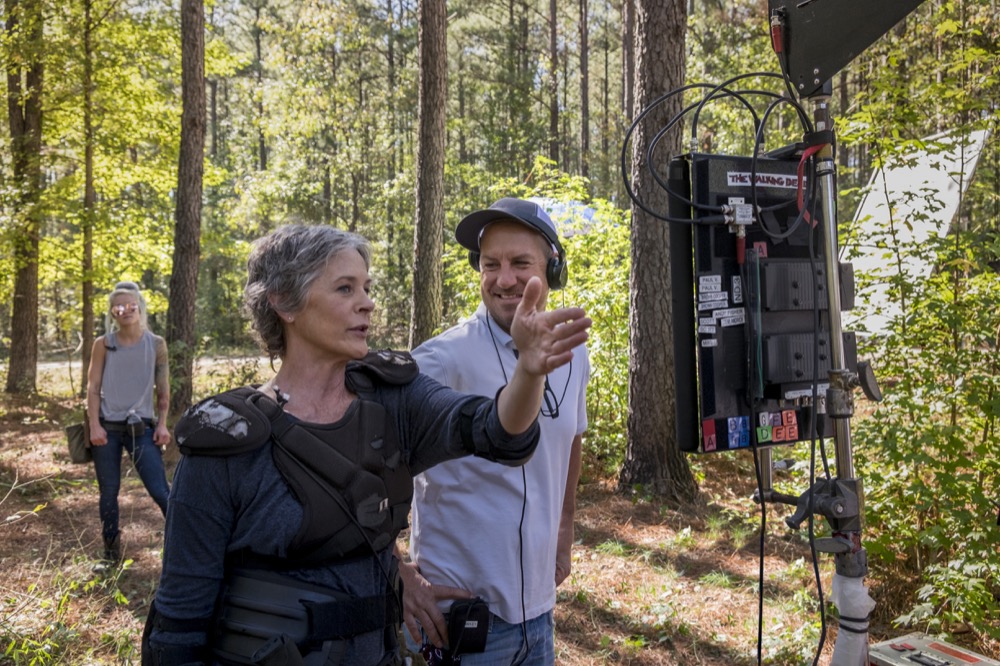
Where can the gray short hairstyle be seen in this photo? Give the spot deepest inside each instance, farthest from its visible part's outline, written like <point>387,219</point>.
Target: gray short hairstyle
<point>130,289</point>
<point>282,267</point>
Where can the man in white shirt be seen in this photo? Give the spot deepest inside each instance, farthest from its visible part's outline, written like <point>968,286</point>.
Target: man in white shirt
<point>502,534</point>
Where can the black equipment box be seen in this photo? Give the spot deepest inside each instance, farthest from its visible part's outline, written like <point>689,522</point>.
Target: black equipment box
<point>922,650</point>
<point>751,316</point>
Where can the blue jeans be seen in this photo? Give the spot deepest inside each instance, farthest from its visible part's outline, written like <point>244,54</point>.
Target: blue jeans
<point>507,645</point>
<point>148,461</point>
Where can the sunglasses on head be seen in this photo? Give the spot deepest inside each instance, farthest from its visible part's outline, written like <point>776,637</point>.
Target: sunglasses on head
<point>119,310</point>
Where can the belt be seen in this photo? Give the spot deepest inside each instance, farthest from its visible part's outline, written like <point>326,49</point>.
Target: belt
<point>122,426</point>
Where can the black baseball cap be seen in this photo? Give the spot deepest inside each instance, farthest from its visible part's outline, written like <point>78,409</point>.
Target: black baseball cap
<point>470,229</point>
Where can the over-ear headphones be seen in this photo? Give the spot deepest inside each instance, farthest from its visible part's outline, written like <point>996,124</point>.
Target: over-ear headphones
<point>556,273</point>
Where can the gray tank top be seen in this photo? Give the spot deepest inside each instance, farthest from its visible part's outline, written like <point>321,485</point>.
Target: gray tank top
<point>127,382</point>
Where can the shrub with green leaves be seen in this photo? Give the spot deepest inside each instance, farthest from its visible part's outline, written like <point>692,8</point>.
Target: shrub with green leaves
<point>929,454</point>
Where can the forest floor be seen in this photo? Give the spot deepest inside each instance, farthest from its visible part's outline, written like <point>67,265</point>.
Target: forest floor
<point>651,584</point>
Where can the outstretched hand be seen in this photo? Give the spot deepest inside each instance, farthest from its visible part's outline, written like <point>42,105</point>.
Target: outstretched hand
<point>545,339</point>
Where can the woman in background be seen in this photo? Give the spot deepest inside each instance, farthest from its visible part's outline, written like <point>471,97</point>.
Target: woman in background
<point>127,364</point>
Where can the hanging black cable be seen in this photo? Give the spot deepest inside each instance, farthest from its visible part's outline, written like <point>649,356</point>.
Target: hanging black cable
<point>719,214</point>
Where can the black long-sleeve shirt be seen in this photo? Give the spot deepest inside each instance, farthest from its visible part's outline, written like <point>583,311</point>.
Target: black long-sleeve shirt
<point>222,505</point>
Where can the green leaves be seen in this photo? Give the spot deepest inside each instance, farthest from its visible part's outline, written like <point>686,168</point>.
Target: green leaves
<point>929,455</point>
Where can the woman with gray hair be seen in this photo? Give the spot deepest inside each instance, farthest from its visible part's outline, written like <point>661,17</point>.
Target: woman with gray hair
<point>289,497</point>
<point>127,365</point>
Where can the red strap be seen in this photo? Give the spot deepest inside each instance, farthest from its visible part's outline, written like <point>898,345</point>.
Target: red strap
<point>806,154</point>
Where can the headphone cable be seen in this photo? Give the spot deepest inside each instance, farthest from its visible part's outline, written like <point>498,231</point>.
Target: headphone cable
<point>524,495</point>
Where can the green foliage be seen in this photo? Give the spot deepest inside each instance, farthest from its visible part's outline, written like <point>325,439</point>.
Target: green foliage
<point>37,629</point>
<point>738,527</point>
<point>32,651</point>
<point>931,460</point>
<point>613,548</point>
<point>718,579</point>
<point>133,111</point>
<point>791,645</point>
<point>216,375</point>
<point>600,285</point>
<point>683,539</point>
<point>724,40</point>
<point>930,455</point>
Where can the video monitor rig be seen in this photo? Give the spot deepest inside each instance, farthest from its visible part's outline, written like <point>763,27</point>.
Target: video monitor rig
<point>752,347</point>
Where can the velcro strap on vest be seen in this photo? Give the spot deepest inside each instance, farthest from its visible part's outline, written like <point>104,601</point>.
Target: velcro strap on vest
<point>343,619</point>
<point>157,620</point>
<point>173,655</point>
<point>170,625</point>
<point>259,605</point>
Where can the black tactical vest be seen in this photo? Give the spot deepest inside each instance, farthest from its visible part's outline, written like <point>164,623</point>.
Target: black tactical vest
<point>350,477</point>
<point>351,480</point>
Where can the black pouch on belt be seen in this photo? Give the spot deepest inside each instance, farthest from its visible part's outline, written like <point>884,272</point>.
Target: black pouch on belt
<point>468,626</point>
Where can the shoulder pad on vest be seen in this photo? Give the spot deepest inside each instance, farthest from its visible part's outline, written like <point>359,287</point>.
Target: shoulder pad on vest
<point>381,367</point>
<point>226,424</point>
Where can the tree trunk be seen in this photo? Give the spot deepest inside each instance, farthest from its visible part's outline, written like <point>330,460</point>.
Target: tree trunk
<point>427,236</point>
<point>331,146</point>
<point>396,157</point>
<point>652,457</point>
<point>584,89</point>
<point>606,177</point>
<point>23,21</point>
<point>628,59</point>
<point>463,153</point>
<point>213,96</point>
<point>258,38</point>
<point>606,88</point>
<point>89,198</point>
<point>553,83</point>
<point>187,218</point>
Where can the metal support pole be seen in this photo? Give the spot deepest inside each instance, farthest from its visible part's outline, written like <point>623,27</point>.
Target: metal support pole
<point>764,458</point>
<point>851,561</point>
<point>825,173</point>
